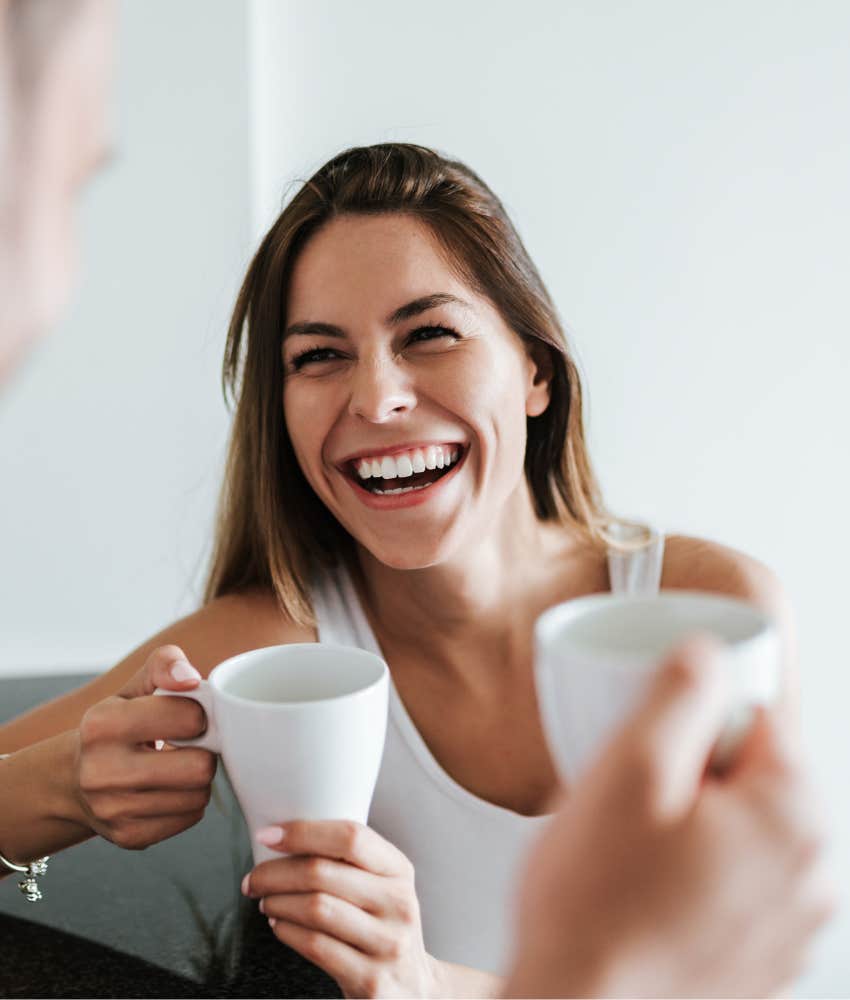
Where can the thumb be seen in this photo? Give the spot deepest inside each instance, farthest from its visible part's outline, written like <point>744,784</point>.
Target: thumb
<point>665,745</point>
<point>166,667</point>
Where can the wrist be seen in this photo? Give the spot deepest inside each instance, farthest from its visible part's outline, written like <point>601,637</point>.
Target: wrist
<point>458,981</point>
<point>437,974</point>
<point>50,771</point>
<point>561,972</point>
<point>40,813</point>
<point>64,798</point>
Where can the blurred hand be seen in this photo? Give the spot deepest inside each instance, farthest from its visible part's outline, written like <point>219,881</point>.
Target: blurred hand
<point>129,792</point>
<point>657,879</point>
<point>344,898</point>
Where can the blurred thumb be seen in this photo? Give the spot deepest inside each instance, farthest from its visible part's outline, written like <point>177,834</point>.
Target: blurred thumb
<point>166,667</point>
<point>667,742</point>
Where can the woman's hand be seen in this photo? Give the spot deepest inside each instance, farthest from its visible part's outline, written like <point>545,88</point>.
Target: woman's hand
<point>344,898</point>
<point>129,792</point>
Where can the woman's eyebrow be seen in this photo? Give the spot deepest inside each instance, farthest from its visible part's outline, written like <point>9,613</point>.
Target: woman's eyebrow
<point>405,312</point>
<point>314,330</point>
<point>423,304</point>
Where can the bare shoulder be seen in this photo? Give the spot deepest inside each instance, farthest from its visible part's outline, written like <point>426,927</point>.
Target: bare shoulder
<point>229,625</point>
<point>699,564</point>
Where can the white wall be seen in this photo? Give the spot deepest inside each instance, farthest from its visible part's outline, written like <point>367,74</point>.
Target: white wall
<point>111,442</point>
<point>679,171</point>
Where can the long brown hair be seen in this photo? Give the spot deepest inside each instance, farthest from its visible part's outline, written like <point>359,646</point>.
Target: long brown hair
<point>272,530</point>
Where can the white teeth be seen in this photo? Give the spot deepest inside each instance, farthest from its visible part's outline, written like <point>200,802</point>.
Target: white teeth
<point>405,464</point>
<point>400,489</point>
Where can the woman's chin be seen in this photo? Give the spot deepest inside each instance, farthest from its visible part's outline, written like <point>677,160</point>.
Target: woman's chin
<point>419,555</point>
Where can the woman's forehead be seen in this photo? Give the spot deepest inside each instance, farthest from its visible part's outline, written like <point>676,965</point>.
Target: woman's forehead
<point>368,265</point>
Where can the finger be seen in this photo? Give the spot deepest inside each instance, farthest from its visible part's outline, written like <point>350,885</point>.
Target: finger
<point>335,917</point>
<point>115,807</point>
<point>147,770</point>
<point>343,963</point>
<point>344,840</point>
<point>167,667</point>
<point>304,874</point>
<point>665,746</point>
<point>149,718</point>
<point>138,834</point>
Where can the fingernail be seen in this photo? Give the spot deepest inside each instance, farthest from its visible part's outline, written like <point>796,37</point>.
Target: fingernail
<point>269,836</point>
<point>184,671</point>
<point>272,921</point>
<point>262,906</point>
<point>246,885</point>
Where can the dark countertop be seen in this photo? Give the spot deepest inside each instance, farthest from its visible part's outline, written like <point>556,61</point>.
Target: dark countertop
<point>168,921</point>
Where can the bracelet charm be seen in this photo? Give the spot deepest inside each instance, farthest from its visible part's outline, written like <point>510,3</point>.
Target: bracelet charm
<point>28,884</point>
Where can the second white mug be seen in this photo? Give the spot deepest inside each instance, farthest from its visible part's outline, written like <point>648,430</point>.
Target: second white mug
<point>594,657</point>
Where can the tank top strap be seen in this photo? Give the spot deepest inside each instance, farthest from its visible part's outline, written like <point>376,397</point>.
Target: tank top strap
<point>635,558</point>
<point>340,619</point>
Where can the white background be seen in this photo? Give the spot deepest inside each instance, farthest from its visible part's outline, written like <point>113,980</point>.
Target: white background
<point>678,170</point>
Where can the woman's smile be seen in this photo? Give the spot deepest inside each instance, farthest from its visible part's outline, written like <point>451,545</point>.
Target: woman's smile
<point>404,476</point>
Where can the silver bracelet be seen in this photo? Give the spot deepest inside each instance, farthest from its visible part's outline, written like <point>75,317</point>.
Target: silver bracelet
<point>27,885</point>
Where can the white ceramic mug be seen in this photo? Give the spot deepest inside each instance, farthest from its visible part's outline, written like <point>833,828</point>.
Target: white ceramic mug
<point>595,655</point>
<point>300,729</point>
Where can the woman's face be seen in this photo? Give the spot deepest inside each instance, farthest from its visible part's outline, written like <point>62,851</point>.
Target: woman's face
<point>405,393</point>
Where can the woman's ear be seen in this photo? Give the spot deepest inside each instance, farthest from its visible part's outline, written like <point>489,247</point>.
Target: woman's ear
<point>540,374</point>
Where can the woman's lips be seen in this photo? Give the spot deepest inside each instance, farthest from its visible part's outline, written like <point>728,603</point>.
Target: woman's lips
<point>410,495</point>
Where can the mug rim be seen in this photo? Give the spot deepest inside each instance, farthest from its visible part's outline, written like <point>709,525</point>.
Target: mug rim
<point>559,616</point>
<point>232,662</point>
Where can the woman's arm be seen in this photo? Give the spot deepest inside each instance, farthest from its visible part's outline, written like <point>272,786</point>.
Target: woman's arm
<point>37,816</point>
<point>80,764</point>
<point>222,628</point>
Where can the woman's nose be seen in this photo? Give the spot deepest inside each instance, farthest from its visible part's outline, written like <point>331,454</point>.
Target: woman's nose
<point>379,390</point>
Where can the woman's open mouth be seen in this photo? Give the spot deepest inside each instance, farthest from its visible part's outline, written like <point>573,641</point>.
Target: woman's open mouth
<point>404,472</point>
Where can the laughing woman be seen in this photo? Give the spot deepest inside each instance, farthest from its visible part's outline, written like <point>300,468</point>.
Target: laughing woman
<point>408,473</point>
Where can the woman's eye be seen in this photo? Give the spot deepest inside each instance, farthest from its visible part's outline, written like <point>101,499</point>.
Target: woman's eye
<point>432,333</point>
<point>315,354</point>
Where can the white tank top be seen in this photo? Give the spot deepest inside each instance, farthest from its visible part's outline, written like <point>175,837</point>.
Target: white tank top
<point>466,851</point>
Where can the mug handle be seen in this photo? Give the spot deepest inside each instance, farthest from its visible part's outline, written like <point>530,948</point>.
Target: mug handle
<point>203,695</point>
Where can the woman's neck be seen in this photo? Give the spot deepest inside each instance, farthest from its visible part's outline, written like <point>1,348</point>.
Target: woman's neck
<point>484,599</point>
